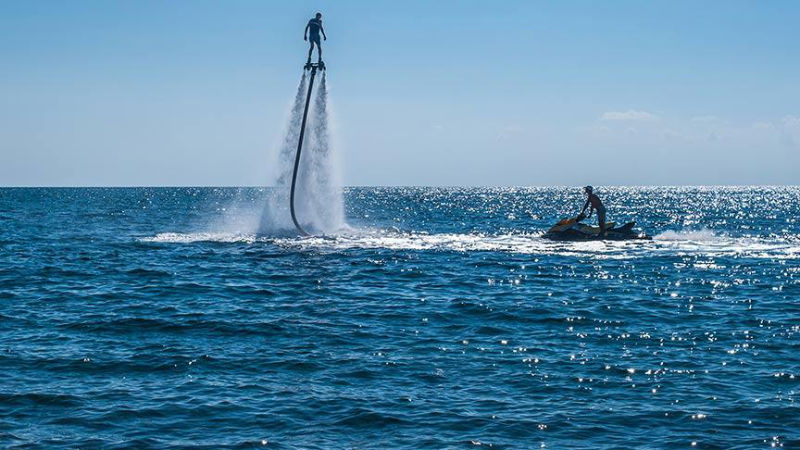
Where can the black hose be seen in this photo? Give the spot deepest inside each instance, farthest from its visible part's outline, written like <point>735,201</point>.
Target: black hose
<point>299,149</point>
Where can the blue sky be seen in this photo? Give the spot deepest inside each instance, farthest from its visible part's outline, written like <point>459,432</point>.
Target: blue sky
<point>424,93</point>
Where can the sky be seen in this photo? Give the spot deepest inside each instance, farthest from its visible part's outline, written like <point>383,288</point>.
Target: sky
<point>473,93</point>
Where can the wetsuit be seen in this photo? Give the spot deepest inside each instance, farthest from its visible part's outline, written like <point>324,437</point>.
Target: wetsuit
<point>314,25</point>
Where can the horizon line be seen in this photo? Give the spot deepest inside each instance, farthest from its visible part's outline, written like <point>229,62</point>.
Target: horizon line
<point>221,186</point>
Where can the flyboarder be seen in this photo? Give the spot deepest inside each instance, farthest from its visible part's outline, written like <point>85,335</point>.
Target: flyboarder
<point>314,26</point>
<point>312,31</point>
<point>593,203</point>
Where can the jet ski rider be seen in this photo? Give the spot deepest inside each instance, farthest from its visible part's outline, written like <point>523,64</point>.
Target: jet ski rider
<point>593,203</point>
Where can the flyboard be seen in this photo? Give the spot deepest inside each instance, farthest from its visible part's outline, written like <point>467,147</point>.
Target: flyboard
<point>313,67</point>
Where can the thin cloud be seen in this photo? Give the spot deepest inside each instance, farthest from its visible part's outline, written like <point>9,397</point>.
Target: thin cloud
<point>630,115</point>
<point>705,119</point>
<point>508,131</point>
<point>791,128</point>
<point>791,121</point>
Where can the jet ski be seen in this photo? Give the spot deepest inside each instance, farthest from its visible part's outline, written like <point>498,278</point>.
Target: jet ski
<point>571,229</point>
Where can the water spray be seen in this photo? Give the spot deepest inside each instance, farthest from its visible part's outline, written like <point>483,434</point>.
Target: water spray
<point>313,67</point>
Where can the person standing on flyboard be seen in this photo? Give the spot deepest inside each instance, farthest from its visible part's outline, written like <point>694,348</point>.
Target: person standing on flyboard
<point>311,34</point>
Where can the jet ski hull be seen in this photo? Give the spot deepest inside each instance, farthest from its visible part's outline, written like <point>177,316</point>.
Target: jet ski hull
<point>573,230</point>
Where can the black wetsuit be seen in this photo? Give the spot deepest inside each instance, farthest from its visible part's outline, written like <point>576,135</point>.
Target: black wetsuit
<point>314,25</point>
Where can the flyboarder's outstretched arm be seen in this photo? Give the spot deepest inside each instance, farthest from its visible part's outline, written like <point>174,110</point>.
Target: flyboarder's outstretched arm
<point>321,28</point>
<point>305,32</point>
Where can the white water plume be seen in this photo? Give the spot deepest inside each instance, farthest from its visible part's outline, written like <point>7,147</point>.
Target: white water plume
<point>318,198</point>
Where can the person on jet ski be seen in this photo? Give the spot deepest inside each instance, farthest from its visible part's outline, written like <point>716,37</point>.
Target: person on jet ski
<point>593,203</point>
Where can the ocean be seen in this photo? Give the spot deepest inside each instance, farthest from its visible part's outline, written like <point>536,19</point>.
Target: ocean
<point>433,318</point>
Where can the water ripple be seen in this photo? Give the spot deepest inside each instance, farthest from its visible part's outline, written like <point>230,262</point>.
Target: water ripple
<point>156,319</point>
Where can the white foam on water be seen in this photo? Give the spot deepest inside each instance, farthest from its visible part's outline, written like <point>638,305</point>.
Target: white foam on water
<point>189,238</point>
<point>396,241</point>
<point>454,242</point>
<point>708,243</point>
<point>703,235</point>
<point>529,244</point>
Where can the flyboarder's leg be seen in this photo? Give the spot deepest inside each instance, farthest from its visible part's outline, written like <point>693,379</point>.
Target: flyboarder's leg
<point>315,42</point>
<point>310,49</point>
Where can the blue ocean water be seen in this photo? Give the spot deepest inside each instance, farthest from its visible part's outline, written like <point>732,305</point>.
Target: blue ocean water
<point>161,318</point>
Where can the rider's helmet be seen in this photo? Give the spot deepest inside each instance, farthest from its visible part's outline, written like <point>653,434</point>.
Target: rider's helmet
<point>588,189</point>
